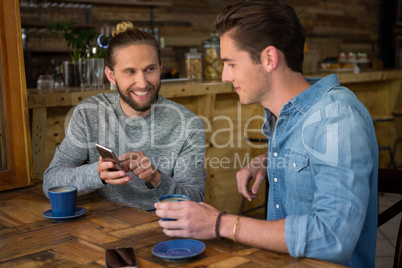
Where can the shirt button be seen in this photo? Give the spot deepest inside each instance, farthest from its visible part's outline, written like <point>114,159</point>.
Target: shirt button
<point>277,206</point>
<point>275,154</point>
<point>275,179</point>
<point>294,165</point>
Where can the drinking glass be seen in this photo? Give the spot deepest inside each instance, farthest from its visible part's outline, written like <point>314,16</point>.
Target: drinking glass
<point>45,82</point>
<point>68,73</point>
<point>99,72</point>
<point>82,70</point>
<point>95,72</point>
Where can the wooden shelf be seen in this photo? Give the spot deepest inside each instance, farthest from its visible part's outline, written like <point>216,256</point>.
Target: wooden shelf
<point>119,2</point>
<point>167,51</point>
<point>48,50</point>
<point>45,24</point>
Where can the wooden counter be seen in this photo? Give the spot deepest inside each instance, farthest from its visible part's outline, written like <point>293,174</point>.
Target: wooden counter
<point>366,76</point>
<point>227,121</point>
<point>40,98</point>
<point>73,96</point>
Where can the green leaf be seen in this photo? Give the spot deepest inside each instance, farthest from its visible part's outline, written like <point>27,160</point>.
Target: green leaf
<point>77,39</point>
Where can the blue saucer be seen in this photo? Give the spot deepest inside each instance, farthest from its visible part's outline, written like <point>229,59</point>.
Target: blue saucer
<point>178,249</point>
<point>79,211</point>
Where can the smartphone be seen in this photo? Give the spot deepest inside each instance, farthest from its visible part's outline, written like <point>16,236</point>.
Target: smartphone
<point>120,257</point>
<point>108,155</point>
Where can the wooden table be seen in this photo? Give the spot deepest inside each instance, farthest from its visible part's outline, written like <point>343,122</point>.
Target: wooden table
<point>27,239</point>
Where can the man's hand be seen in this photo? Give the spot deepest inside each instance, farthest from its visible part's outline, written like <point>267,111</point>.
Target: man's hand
<point>196,220</point>
<point>257,170</point>
<point>141,166</point>
<point>109,176</point>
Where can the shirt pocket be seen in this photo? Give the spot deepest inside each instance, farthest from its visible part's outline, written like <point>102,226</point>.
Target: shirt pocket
<point>297,177</point>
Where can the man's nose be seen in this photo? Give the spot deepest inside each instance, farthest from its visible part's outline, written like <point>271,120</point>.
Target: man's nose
<point>141,80</point>
<point>226,77</point>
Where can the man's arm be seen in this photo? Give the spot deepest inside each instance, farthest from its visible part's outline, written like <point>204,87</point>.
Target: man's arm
<point>198,220</point>
<point>341,186</point>
<point>258,233</point>
<point>65,170</point>
<point>69,165</point>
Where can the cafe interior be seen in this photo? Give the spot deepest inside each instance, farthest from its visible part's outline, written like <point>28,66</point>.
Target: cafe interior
<point>41,81</point>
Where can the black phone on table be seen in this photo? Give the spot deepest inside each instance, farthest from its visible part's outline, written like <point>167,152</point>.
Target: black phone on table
<point>108,155</point>
<point>120,257</point>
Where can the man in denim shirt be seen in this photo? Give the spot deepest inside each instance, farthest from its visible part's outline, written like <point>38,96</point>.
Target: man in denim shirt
<point>322,158</point>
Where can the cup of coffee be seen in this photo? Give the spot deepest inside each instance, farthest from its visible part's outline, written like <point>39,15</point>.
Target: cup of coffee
<point>173,198</point>
<point>62,200</point>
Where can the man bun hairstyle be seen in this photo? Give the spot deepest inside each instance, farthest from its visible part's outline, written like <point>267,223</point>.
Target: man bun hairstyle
<point>121,27</point>
<point>124,35</point>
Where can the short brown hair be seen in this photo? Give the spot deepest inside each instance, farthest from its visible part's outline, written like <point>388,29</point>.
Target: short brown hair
<point>126,35</point>
<point>257,24</point>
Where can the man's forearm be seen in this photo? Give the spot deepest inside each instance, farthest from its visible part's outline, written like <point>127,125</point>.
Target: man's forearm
<point>258,233</point>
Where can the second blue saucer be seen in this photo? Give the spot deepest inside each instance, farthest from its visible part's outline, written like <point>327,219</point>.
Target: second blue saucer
<point>178,249</point>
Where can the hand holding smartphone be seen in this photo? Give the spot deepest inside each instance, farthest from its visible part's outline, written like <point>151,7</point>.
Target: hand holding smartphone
<point>108,155</point>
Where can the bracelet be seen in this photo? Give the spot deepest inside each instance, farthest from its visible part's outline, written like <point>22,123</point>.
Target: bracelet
<point>234,229</point>
<point>218,223</point>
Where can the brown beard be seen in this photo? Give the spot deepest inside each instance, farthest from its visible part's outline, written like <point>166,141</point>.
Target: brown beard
<point>134,105</point>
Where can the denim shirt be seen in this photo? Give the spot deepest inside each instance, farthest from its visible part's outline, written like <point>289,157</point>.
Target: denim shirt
<point>322,170</point>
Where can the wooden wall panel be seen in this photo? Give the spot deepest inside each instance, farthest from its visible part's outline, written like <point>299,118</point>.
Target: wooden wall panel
<point>187,23</point>
<point>332,26</point>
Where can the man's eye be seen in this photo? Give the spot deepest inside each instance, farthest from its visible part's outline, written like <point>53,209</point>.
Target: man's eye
<point>151,69</point>
<point>129,71</point>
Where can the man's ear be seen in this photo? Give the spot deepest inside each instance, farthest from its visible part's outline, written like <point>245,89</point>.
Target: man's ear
<point>110,75</point>
<point>270,58</point>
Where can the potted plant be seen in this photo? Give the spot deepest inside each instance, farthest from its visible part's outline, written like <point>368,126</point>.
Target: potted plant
<point>78,41</point>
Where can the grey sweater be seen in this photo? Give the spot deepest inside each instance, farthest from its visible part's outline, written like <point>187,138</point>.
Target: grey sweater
<point>171,136</point>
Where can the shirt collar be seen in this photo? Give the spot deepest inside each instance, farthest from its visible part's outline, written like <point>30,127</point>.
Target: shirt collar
<point>303,101</point>
<point>319,86</point>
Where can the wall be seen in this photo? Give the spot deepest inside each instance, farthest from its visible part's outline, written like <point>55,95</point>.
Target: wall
<point>332,26</point>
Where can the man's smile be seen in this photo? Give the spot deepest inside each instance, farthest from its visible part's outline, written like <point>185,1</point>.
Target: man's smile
<point>141,93</point>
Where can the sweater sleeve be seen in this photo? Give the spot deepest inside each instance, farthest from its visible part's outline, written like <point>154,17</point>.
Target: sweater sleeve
<point>71,163</point>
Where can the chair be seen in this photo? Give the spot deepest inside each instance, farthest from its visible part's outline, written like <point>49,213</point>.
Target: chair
<point>398,126</point>
<point>390,181</point>
<point>397,115</point>
<point>386,147</point>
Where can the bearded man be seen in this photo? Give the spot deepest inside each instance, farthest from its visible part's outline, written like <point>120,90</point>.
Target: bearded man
<point>160,144</point>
